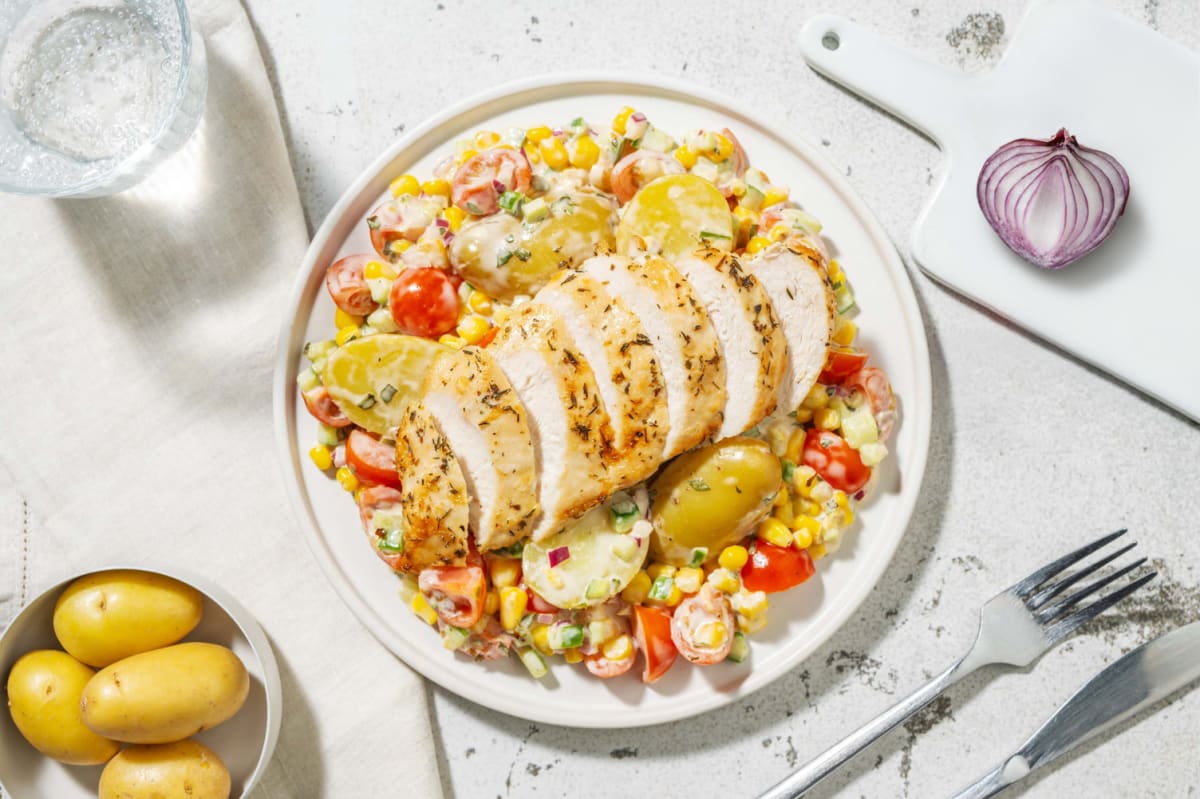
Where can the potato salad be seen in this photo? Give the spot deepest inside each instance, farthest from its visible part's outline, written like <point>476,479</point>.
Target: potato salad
<point>596,393</point>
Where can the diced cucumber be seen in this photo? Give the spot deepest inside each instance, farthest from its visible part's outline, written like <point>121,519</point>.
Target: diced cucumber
<point>800,220</point>
<point>740,649</point>
<point>533,662</point>
<point>705,169</point>
<point>599,589</point>
<point>859,428</point>
<point>515,137</point>
<point>454,637</point>
<point>380,288</point>
<point>699,555</point>
<point>565,636</point>
<point>535,210</point>
<point>844,296</point>
<point>314,350</point>
<point>408,589</point>
<point>873,454</point>
<point>655,139</point>
<point>327,435</point>
<point>307,380</point>
<point>381,319</point>
<point>752,200</point>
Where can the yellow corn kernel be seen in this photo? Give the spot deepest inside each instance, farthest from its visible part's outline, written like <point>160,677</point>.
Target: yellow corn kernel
<point>500,313</point>
<point>673,598</point>
<point>540,635</point>
<point>420,606</point>
<point>405,184</point>
<point>845,332</point>
<point>540,133</point>
<point>725,579</point>
<point>347,333</point>
<point>377,269</point>
<point>827,419</point>
<point>635,593</point>
<point>454,217</point>
<point>554,153</point>
<point>774,196</point>
<point>454,342</point>
<point>586,153</point>
<point>465,155</point>
<point>486,138</point>
<point>689,579</point>
<point>480,303</point>
<point>399,245</point>
<point>775,532</point>
<point>342,319</point>
<point>347,479</point>
<point>321,456</point>
<point>723,148</point>
<point>711,635</point>
<point>436,187</point>
<point>491,603</point>
<point>618,648</point>
<point>686,156</point>
<point>818,551</point>
<point>835,271</point>
<point>803,415</point>
<point>747,625</point>
<point>656,570</point>
<point>513,601</point>
<point>573,655</point>
<point>531,152</point>
<point>734,557</point>
<point>750,604</point>
<point>779,232</point>
<point>472,328</point>
<point>817,398</point>
<point>505,572</point>
<point>782,509</point>
<point>821,491</point>
<point>806,531</point>
<point>841,500</point>
<point>756,244</point>
<point>621,120</point>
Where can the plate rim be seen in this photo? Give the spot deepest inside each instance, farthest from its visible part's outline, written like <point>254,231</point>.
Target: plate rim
<point>415,657</point>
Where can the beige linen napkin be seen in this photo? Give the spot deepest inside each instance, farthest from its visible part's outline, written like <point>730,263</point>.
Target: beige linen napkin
<point>136,337</point>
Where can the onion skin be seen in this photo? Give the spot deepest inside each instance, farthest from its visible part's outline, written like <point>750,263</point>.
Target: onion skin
<point>1052,201</point>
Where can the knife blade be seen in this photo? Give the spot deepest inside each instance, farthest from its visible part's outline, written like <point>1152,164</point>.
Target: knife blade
<point>1147,675</point>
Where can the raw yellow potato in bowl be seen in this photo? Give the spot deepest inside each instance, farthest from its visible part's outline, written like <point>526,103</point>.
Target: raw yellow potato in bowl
<point>107,616</point>
<point>44,688</point>
<point>166,694</point>
<point>184,768</point>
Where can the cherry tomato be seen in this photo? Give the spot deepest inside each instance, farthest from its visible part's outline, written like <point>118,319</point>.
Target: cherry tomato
<point>652,628</point>
<point>405,217</point>
<point>321,405</point>
<point>423,302</point>
<point>347,286</point>
<point>740,160</point>
<point>379,498</point>
<point>604,668</point>
<point>457,593</point>
<point>490,643</point>
<point>539,605</point>
<point>773,568</point>
<point>639,168</point>
<point>372,460</point>
<point>478,183</point>
<point>872,382</point>
<point>840,363</point>
<point>836,461</point>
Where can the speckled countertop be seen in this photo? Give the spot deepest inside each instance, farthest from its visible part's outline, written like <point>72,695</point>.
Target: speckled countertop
<point>1031,452</point>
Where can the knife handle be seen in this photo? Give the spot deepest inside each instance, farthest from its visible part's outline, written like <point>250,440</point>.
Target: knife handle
<point>990,784</point>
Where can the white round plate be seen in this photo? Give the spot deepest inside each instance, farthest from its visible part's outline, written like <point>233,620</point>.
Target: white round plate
<point>800,620</point>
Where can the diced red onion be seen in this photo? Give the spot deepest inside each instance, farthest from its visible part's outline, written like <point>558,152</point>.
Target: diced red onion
<point>546,618</point>
<point>638,116</point>
<point>1052,201</point>
<point>556,131</point>
<point>442,223</point>
<point>499,187</point>
<point>558,555</point>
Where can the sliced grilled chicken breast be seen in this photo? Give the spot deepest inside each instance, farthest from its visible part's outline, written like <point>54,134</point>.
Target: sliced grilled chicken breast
<point>609,336</point>
<point>752,341</point>
<point>685,343</point>
<point>479,413</point>
<point>434,495</point>
<point>567,420</point>
<point>795,278</point>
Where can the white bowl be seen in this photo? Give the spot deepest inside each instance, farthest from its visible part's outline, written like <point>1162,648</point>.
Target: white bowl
<point>245,743</point>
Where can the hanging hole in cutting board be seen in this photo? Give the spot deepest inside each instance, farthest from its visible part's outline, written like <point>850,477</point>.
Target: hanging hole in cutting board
<point>831,41</point>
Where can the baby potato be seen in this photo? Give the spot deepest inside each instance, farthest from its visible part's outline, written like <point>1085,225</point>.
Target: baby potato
<point>711,497</point>
<point>104,617</point>
<point>184,769</point>
<point>166,694</point>
<point>44,688</point>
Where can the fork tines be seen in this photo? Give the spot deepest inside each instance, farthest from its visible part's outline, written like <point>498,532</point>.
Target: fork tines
<point>1039,590</point>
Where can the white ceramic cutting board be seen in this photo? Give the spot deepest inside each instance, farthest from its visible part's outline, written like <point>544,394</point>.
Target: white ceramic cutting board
<point>1132,307</point>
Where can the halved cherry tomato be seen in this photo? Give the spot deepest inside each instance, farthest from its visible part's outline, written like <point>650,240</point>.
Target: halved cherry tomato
<point>379,498</point>
<point>872,382</point>
<point>405,217</point>
<point>478,183</point>
<point>423,302</point>
<point>773,568</point>
<point>840,363</point>
<point>652,628</point>
<point>347,286</point>
<point>372,460</point>
<point>457,593</point>
<point>539,605</point>
<point>321,405</point>
<point>836,461</point>
<point>604,668</point>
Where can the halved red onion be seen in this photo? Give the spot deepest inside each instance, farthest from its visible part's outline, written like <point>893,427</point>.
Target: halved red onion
<point>1052,201</point>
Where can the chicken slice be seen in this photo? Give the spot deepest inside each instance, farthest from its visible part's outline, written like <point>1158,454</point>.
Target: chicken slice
<point>793,273</point>
<point>752,342</point>
<point>567,420</point>
<point>479,413</point>
<point>685,343</point>
<point>434,495</point>
<point>609,336</point>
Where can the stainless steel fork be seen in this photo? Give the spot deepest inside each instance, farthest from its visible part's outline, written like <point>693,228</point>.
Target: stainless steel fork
<point>1015,627</point>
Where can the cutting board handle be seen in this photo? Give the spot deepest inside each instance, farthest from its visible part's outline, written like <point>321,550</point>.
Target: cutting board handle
<point>927,96</point>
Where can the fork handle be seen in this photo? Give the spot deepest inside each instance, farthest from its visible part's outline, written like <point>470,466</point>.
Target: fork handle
<point>825,763</point>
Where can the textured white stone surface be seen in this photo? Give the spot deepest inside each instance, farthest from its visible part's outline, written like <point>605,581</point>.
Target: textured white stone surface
<point>1032,452</point>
